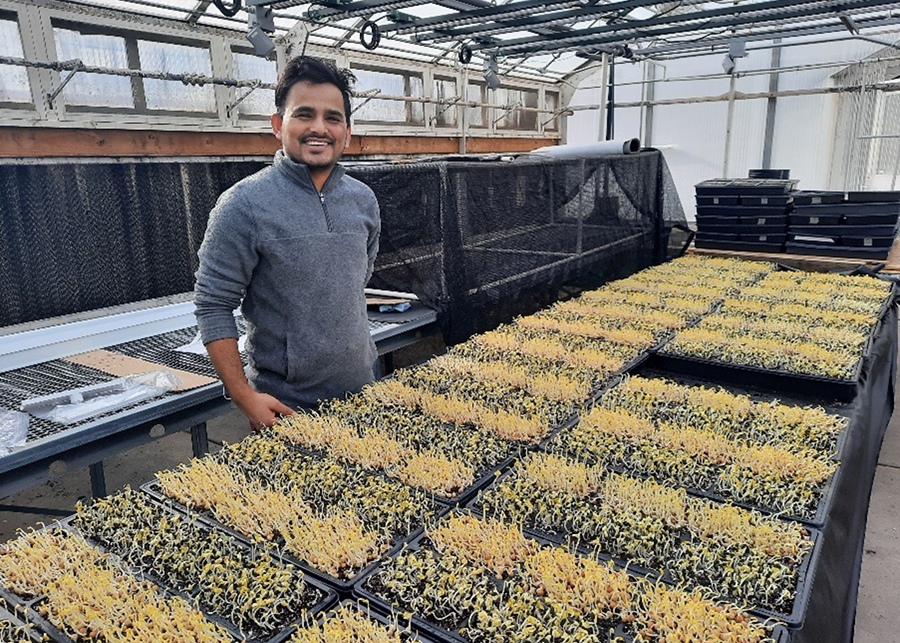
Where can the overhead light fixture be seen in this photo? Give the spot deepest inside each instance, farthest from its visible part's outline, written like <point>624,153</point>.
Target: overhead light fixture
<point>260,21</point>
<point>848,22</point>
<point>736,49</point>
<point>491,71</point>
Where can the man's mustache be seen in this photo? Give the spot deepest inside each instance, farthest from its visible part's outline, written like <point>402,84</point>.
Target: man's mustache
<point>311,137</point>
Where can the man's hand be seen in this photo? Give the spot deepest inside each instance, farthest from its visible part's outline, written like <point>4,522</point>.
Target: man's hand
<point>261,408</point>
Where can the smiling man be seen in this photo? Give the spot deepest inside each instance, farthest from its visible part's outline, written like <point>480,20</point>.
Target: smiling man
<point>294,245</point>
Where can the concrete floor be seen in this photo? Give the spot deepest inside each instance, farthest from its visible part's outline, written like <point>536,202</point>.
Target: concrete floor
<point>877,619</point>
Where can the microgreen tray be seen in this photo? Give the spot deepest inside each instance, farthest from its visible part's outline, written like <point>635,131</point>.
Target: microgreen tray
<point>483,477</point>
<point>805,571</point>
<point>761,394</point>
<point>367,594</point>
<point>34,634</point>
<point>343,586</point>
<point>377,613</point>
<point>811,386</point>
<point>324,598</point>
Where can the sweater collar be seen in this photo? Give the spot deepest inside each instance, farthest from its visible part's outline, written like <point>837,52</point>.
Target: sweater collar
<point>299,172</point>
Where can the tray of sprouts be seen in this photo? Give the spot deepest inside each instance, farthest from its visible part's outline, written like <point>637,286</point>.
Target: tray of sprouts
<point>796,483</point>
<point>255,595</point>
<point>739,555</point>
<point>353,621</point>
<point>475,580</point>
<point>752,417</point>
<point>384,426</point>
<point>431,469</point>
<point>329,519</point>
<point>14,630</point>
<point>72,592</point>
<point>799,332</point>
<point>550,356</point>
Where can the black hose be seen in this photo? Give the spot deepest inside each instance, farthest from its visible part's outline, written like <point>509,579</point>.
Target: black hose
<point>227,11</point>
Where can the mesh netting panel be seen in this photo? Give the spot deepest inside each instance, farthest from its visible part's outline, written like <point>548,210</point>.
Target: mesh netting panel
<point>78,237</point>
<point>484,241</point>
<point>477,241</point>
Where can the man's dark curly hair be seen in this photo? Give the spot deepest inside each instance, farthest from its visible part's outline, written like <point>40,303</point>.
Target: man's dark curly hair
<point>317,72</point>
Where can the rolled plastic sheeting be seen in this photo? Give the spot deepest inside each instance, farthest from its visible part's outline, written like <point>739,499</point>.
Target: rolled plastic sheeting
<point>606,148</point>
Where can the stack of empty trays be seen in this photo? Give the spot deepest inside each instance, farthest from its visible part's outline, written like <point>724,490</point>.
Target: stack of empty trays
<point>860,225</point>
<point>743,214</point>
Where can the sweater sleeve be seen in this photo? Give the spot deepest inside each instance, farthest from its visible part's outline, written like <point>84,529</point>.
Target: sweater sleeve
<point>374,237</point>
<point>228,256</point>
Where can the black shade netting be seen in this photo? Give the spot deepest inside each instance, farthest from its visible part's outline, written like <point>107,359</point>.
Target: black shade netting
<point>478,241</point>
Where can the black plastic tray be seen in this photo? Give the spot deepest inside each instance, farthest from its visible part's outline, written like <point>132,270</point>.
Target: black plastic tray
<point>850,209</point>
<point>801,217</point>
<point>766,173</point>
<point>703,235</point>
<point>34,633</point>
<point>705,212</point>
<point>768,220</point>
<point>821,388</point>
<point>742,229</point>
<point>848,229</point>
<point>756,201</point>
<point>28,606</point>
<point>805,573</point>
<point>741,211</point>
<point>740,246</point>
<point>813,197</point>
<point>705,201</point>
<point>867,241</point>
<point>873,197</point>
<point>703,221</point>
<point>765,238</point>
<point>745,187</point>
<point>871,219</point>
<point>817,240</point>
<point>343,587</point>
<point>837,251</point>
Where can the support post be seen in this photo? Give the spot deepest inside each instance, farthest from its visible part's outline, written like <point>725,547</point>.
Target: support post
<point>199,440</point>
<point>98,480</point>
<point>728,127</point>
<point>770,107</point>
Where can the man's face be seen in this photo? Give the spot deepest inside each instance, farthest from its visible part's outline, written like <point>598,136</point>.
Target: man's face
<point>314,129</point>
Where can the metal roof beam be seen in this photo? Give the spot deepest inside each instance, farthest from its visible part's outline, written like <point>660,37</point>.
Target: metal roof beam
<point>518,24</point>
<point>470,16</point>
<point>730,16</point>
<point>708,46</point>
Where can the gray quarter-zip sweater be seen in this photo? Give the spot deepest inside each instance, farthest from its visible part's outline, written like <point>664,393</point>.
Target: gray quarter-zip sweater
<point>298,260</point>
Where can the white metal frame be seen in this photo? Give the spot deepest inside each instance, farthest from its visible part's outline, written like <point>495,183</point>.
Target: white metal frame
<point>36,18</point>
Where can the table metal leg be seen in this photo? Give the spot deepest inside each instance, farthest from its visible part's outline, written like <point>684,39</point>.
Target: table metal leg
<point>44,511</point>
<point>98,480</point>
<point>388,363</point>
<point>199,440</point>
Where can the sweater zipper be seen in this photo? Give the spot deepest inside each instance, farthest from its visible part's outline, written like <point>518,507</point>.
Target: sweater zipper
<point>325,211</point>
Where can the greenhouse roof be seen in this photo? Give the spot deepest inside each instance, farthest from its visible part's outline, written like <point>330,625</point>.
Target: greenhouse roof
<point>546,39</point>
